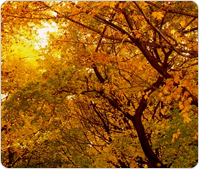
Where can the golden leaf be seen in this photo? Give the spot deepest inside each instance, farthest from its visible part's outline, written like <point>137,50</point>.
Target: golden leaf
<point>186,118</point>
<point>176,135</point>
<point>158,15</point>
<point>179,39</point>
<point>176,77</point>
<point>182,23</point>
<point>160,95</point>
<point>181,106</point>
<point>166,89</point>
<point>170,81</point>
<point>123,50</point>
<point>196,136</point>
<point>151,108</point>
<point>190,99</point>
<point>173,31</point>
<point>195,47</point>
<point>163,111</point>
<point>137,35</point>
<point>150,32</point>
<point>186,94</point>
<point>112,4</point>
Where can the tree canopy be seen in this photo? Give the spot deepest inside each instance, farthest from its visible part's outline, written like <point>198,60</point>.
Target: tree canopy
<point>99,84</point>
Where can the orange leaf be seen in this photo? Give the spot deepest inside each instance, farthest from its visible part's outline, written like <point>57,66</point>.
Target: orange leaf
<point>158,15</point>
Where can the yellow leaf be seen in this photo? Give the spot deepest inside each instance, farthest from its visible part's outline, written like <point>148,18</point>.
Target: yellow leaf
<point>190,99</point>
<point>176,77</point>
<point>163,111</point>
<point>150,32</point>
<point>166,89</point>
<point>195,47</point>
<point>173,32</point>
<point>121,16</point>
<point>137,35</point>
<point>179,90</point>
<point>139,95</point>
<point>179,39</point>
<point>160,95</point>
<point>187,105</point>
<point>170,81</point>
<point>112,4</point>
<point>169,99</point>
<point>151,108</point>
<point>135,18</point>
<point>181,106</point>
<point>158,15</point>
<point>186,118</point>
<point>121,5</point>
<point>182,23</point>
<point>123,50</point>
<point>196,136</point>
<point>175,135</point>
<point>186,94</point>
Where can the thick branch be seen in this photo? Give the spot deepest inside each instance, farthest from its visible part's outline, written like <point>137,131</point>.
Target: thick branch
<point>136,119</point>
<point>182,13</point>
<point>128,20</point>
<point>152,60</point>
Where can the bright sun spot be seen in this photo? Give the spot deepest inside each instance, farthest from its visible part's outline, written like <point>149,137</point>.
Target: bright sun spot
<point>43,34</point>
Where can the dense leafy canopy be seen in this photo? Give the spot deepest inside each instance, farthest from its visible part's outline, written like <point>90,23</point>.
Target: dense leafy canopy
<point>99,84</point>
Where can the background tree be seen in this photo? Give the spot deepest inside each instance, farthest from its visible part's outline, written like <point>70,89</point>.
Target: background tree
<point>114,85</point>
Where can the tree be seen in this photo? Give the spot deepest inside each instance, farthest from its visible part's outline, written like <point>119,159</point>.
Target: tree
<point>115,85</point>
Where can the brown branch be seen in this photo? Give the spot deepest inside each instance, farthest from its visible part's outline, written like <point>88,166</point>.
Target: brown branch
<point>114,26</point>
<point>190,30</point>
<point>188,24</point>
<point>172,11</point>
<point>128,20</point>
<point>136,119</point>
<point>159,32</point>
<point>152,60</point>
<point>105,126</point>
<point>99,76</point>
<point>182,13</point>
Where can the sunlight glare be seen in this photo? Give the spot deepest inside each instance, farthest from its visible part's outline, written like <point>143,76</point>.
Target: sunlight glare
<point>42,37</point>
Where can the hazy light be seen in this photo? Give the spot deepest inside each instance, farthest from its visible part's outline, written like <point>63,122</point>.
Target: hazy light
<point>43,34</point>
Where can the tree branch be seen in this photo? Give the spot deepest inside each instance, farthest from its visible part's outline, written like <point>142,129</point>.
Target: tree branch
<point>172,11</point>
<point>159,32</point>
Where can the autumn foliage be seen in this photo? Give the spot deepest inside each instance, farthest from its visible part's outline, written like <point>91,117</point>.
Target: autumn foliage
<point>99,84</point>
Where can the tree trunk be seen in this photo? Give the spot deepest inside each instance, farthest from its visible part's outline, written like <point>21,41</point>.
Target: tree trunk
<point>152,157</point>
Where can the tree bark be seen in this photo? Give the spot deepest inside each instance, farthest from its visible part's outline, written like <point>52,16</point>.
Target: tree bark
<point>153,160</point>
<point>152,157</point>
